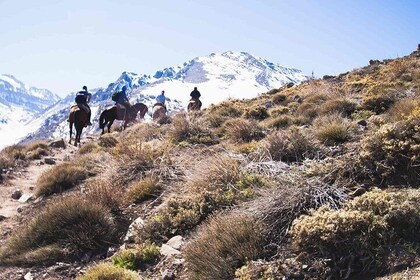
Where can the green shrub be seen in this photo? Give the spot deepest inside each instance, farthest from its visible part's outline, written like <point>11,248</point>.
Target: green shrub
<point>143,189</point>
<point>106,271</point>
<point>72,223</point>
<point>136,258</point>
<point>362,235</point>
<point>392,154</point>
<point>222,245</point>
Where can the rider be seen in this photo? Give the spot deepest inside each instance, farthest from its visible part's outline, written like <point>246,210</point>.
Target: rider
<point>123,99</point>
<point>195,95</point>
<point>82,99</point>
<point>160,99</point>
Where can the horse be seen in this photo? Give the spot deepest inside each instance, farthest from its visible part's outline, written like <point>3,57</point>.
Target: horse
<point>159,113</point>
<point>79,118</point>
<point>194,105</point>
<point>108,116</point>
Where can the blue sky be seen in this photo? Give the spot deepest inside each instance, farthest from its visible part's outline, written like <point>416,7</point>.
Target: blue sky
<point>63,45</point>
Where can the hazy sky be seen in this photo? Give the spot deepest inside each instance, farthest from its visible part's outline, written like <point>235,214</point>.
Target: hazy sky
<point>63,45</point>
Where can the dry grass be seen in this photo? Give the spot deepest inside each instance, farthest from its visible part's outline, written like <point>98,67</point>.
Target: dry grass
<point>240,130</point>
<point>279,122</point>
<point>222,245</point>
<point>292,145</point>
<point>279,98</point>
<point>402,109</point>
<point>71,223</point>
<point>333,129</point>
<point>378,103</point>
<point>104,193</point>
<point>87,148</point>
<point>193,131</point>
<point>256,112</point>
<point>107,271</point>
<point>107,141</point>
<point>143,189</point>
<point>340,105</point>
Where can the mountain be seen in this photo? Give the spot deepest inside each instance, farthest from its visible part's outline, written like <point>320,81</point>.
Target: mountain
<point>20,104</point>
<point>217,76</point>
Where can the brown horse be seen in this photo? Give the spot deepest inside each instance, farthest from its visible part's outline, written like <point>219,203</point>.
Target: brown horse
<point>159,113</point>
<point>194,105</point>
<point>79,118</point>
<point>108,116</point>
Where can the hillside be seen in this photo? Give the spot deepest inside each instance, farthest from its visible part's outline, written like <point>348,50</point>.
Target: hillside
<point>312,181</point>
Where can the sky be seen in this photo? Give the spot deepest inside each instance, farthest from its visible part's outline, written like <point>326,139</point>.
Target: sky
<point>63,45</point>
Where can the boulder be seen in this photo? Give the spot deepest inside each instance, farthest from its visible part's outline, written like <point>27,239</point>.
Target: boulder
<point>139,222</point>
<point>24,198</point>
<point>167,251</point>
<point>168,274</point>
<point>49,161</point>
<point>58,144</point>
<point>16,194</point>
<point>175,242</point>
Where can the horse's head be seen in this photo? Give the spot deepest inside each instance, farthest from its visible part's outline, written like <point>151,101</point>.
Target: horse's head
<point>140,107</point>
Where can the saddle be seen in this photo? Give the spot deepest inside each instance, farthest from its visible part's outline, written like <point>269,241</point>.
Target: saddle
<point>121,111</point>
<point>81,107</point>
<point>160,104</point>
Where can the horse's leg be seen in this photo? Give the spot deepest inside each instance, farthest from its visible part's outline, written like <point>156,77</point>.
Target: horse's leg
<point>71,131</point>
<point>109,125</point>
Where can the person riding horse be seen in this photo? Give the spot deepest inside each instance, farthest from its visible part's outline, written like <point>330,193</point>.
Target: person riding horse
<point>160,100</point>
<point>122,101</point>
<point>195,95</point>
<point>82,99</point>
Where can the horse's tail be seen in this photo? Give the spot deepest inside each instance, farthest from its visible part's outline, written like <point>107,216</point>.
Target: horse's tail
<point>102,121</point>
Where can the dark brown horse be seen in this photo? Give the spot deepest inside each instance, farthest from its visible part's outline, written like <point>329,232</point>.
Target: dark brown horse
<point>159,113</point>
<point>194,105</point>
<point>79,118</point>
<point>108,116</point>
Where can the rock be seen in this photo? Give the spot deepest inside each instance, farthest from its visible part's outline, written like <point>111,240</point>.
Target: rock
<point>58,144</point>
<point>86,258</point>
<point>111,251</point>
<point>16,194</point>
<point>362,122</point>
<point>24,198</point>
<point>168,275</point>
<point>19,210</point>
<point>2,218</point>
<point>28,276</point>
<point>139,222</point>
<point>358,192</point>
<point>175,242</point>
<point>177,262</point>
<point>166,250</point>
<point>49,161</point>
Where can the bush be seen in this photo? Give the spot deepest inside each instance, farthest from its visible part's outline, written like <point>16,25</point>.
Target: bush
<point>60,178</point>
<point>377,103</point>
<point>362,235</point>
<point>71,223</point>
<point>105,194</point>
<point>191,131</point>
<point>107,271</point>
<point>277,111</point>
<point>392,154</point>
<point>240,130</point>
<point>256,112</point>
<point>36,150</point>
<point>402,109</point>
<point>291,145</point>
<point>222,245</point>
<point>280,122</point>
<point>88,148</point>
<point>143,189</point>
<point>136,258</point>
<point>340,105</point>
<point>279,98</point>
<point>308,111</point>
<point>107,141</point>
<point>333,129</point>
<point>218,114</point>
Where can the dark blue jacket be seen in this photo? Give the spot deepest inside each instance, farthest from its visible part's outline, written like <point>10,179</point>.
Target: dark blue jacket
<point>195,94</point>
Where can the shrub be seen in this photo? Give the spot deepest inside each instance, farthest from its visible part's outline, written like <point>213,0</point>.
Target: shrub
<point>11,156</point>
<point>279,122</point>
<point>107,271</point>
<point>402,109</point>
<point>291,145</point>
<point>107,141</point>
<point>256,112</point>
<point>60,178</point>
<point>277,111</point>
<point>136,258</point>
<point>240,130</point>
<point>218,114</point>
<point>192,131</point>
<point>36,150</point>
<point>71,223</point>
<point>356,236</point>
<point>273,91</point>
<point>333,129</point>
<point>88,148</point>
<point>391,154</point>
<point>308,111</point>
<point>222,245</point>
<point>143,189</point>
<point>102,192</point>
<point>377,103</point>
<point>340,105</point>
<point>279,98</point>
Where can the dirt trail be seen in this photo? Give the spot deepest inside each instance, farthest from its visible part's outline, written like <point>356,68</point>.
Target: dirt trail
<point>25,180</point>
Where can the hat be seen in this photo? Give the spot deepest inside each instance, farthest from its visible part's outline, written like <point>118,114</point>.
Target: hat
<point>85,87</point>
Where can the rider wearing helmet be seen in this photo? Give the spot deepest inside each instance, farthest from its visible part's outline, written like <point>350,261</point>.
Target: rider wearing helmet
<point>123,99</point>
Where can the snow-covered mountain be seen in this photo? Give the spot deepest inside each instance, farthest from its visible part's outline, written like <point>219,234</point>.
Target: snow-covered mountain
<point>19,105</point>
<point>217,76</point>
